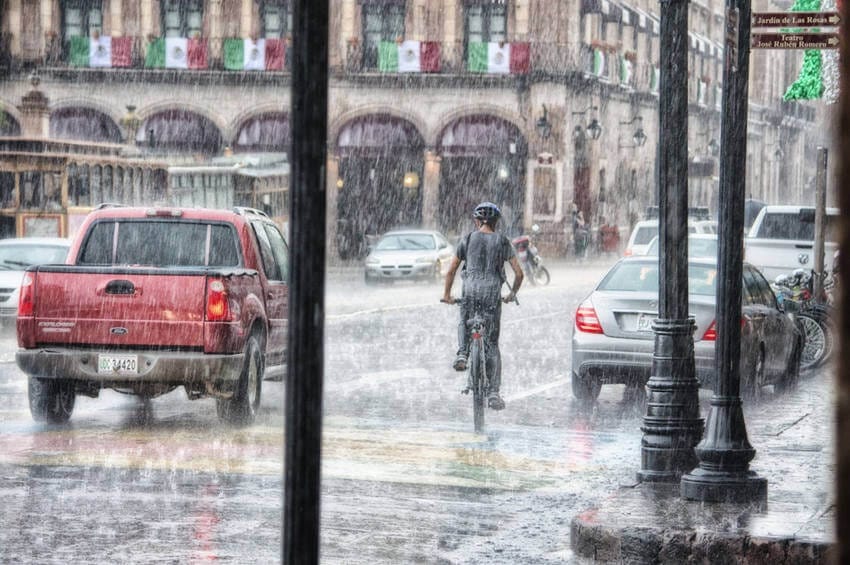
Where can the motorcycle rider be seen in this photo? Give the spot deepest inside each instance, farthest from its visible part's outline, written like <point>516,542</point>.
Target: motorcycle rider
<point>483,253</point>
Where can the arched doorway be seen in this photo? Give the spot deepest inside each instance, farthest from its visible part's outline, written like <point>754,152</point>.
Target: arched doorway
<point>179,131</point>
<point>380,175</point>
<point>83,124</point>
<point>263,133</point>
<point>9,126</point>
<point>483,158</point>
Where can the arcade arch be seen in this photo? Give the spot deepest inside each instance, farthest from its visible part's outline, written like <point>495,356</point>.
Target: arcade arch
<point>180,131</point>
<point>83,124</point>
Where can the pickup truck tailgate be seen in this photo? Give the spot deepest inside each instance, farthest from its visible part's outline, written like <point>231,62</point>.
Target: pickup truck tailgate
<point>119,308</point>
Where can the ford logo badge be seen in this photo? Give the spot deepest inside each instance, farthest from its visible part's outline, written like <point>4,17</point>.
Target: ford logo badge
<point>803,258</point>
<point>118,331</point>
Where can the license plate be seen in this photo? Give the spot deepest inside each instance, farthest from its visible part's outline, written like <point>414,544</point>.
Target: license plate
<point>644,323</point>
<point>118,364</point>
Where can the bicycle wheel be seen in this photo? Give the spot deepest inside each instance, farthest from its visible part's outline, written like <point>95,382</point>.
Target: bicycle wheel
<point>476,374</point>
<point>815,345</point>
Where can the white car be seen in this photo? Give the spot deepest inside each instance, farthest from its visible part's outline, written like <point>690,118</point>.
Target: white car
<point>422,255</point>
<point>16,254</point>
<point>647,230</point>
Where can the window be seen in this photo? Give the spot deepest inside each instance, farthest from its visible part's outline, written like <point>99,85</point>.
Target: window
<point>486,22</point>
<point>273,251</point>
<point>81,18</point>
<point>276,19</point>
<point>382,21</point>
<point>182,18</point>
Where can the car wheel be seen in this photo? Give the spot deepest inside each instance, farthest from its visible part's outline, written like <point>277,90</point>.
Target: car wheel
<point>751,384</point>
<point>437,277</point>
<point>242,407</point>
<point>50,400</point>
<point>585,390</point>
<point>790,377</point>
<point>370,281</point>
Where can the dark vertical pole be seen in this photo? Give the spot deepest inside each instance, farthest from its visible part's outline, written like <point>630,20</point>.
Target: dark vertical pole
<point>820,222</point>
<point>307,283</point>
<point>725,452</point>
<point>672,426</point>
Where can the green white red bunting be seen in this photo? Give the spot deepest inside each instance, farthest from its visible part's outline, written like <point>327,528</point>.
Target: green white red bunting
<point>409,57</point>
<point>101,51</point>
<point>253,55</point>
<point>598,67</point>
<point>499,58</point>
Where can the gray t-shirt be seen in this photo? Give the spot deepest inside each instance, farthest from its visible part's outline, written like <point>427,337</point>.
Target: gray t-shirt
<point>484,256</point>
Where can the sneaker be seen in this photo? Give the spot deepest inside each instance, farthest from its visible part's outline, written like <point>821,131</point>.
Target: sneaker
<point>495,402</point>
<point>460,363</point>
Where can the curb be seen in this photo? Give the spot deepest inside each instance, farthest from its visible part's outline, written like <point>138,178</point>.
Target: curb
<point>687,532</point>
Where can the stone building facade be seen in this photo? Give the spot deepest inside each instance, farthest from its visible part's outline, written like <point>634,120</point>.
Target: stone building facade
<point>539,105</point>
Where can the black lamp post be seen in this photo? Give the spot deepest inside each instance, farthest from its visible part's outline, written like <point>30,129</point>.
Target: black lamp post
<point>725,452</point>
<point>639,137</point>
<point>594,128</point>
<point>672,426</point>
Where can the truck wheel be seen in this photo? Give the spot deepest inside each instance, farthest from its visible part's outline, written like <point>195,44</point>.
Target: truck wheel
<point>241,408</point>
<point>50,400</point>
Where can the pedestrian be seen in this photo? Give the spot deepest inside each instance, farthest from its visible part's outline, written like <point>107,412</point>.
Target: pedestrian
<point>483,253</point>
<point>609,237</point>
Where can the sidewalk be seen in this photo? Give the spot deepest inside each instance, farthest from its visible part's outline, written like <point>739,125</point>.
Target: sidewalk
<point>793,438</point>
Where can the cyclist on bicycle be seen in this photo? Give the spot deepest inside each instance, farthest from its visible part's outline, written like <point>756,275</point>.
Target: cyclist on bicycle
<point>484,253</point>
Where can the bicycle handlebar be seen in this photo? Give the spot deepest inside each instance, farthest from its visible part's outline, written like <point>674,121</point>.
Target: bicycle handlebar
<point>459,301</point>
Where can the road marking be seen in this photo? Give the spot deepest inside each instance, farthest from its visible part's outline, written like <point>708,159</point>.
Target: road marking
<point>378,378</point>
<point>381,310</point>
<point>537,390</point>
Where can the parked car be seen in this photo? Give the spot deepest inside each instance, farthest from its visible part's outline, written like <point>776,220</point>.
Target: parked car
<point>16,254</point>
<point>422,255</point>
<point>151,299</point>
<point>699,245</point>
<point>645,230</point>
<point>613,341</point>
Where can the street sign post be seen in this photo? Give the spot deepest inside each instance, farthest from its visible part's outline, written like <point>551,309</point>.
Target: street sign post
<point>794,41</point>
<point>796,19</point>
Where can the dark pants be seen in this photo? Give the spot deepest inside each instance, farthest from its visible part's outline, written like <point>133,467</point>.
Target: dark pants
<point>488,304</point>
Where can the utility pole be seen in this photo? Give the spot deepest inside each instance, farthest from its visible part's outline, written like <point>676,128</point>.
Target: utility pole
<point>672,426</point>
<point>305,373</point>
<point>725,452</point>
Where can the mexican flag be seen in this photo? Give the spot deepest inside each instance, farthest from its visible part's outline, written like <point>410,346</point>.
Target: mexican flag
<point>250,55</point>
<point>176,53</point>
<point>625,71</point>
<point>101,52</point>
<point>409,57</point>
<point>499,58</point>
<point>599,62</point>
<point>818,78</point>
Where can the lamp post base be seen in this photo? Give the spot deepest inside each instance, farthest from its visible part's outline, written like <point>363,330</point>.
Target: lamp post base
<point>712,486</point>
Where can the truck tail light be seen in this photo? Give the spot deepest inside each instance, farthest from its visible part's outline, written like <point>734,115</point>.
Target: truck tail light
<point>586,319</point>
<point>218,307</point>
<point>26,300</point>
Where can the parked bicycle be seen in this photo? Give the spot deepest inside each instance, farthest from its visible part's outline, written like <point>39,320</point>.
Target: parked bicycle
<point>477,382</point>
<point>814,315</point>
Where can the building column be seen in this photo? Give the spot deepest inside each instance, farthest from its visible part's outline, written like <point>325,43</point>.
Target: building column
<point>35,118</point>
<point>431,189</point>
<point>332,189</point>
<point>247,18</point>
<point>450,39</point>
<point>14,11</point>
<point>46,22</point>
<point>116,18</point>
<point>147,19</point>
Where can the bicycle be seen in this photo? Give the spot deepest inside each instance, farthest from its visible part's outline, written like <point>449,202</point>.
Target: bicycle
<point>476,367</point>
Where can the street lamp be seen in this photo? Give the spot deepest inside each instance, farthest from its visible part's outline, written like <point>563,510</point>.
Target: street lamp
<point>594,128</point>
<point>639,137</point>
<point>544,127</point>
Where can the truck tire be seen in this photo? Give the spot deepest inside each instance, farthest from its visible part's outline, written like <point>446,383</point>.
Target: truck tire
<point>241,408</point>
<point>50,400</point>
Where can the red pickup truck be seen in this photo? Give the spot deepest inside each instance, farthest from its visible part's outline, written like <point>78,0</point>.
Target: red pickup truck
<point>151,299</point>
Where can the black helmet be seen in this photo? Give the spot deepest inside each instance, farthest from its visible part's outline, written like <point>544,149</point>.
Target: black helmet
<point>487,212</point>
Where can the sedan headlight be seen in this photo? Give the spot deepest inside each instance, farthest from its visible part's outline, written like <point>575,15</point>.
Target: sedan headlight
<point>373,261</point>
<point>425,260</point>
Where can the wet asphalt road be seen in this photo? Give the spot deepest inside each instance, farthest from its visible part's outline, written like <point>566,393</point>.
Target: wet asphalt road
<point>404,478</point>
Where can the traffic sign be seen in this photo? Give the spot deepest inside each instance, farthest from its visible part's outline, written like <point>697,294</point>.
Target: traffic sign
<point>795,19</point>
<point>794,41</point>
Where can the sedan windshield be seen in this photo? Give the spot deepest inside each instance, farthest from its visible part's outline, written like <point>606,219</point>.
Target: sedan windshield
<point>405,242</point>
<point>643,277</point>
<point>21,256</point>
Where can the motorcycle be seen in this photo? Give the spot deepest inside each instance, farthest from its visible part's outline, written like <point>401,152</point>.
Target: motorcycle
<point>815,317</point>
<point>529,258</point>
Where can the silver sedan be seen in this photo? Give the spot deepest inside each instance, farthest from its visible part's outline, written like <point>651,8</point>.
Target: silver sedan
<point>613,341</point>
<point>409,255</point>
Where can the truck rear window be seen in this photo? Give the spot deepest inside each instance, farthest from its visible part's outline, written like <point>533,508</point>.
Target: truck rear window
<point>794,226</point>
<point>160,244</point>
